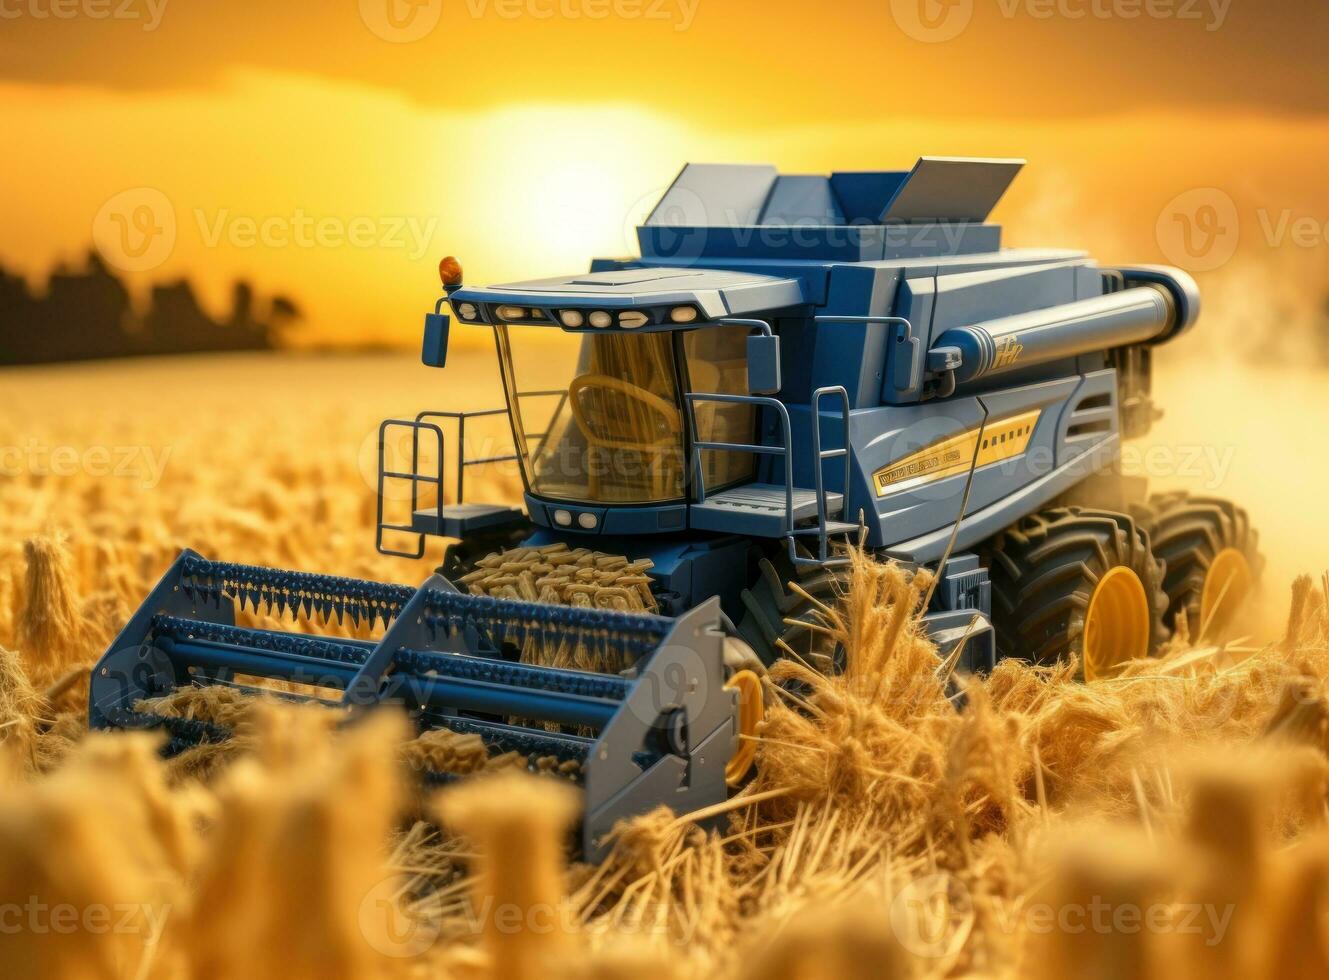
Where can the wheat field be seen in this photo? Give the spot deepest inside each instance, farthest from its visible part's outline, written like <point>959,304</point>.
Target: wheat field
<point>1167,822</point>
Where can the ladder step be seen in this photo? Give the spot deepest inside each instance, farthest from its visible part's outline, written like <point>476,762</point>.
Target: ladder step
<point>832,527</point>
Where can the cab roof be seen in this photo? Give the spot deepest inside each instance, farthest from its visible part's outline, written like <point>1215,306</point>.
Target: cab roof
<point>716,292</point>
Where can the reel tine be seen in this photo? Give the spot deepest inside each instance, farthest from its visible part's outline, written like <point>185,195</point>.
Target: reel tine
<point>292,593</point>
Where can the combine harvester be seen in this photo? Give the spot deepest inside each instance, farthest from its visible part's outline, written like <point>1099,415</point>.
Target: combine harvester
<point>794,364</point>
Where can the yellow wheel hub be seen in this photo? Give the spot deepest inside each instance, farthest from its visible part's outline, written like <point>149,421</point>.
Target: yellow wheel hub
<point>1117,625</point>
<point>751,711</point>
<point>1226,586</point>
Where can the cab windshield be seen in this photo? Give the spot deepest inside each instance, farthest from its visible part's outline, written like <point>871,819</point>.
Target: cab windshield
<point>603,422</point>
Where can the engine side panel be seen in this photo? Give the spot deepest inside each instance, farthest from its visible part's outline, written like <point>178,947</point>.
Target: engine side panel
<point>910,463</point>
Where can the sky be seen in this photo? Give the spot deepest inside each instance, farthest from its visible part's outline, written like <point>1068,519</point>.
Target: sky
<point>335,151</point>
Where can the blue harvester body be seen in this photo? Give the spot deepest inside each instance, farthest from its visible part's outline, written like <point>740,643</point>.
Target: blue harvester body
<point>792,363</point>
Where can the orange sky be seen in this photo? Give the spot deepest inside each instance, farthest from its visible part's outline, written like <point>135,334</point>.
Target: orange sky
<point>316,150</point>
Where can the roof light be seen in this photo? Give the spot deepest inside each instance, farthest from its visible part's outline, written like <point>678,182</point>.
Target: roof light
<point>449,271</point>
<point>511,312</point>
<point>571,318</point>
<point>683,314</point>
<point>601,319</point>
<point>467,311</point>
<point>633,319</point>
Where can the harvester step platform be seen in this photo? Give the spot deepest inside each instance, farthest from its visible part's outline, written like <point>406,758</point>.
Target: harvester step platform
<point>760,509</point>
<point>459,520</point>
<point>660,732</point>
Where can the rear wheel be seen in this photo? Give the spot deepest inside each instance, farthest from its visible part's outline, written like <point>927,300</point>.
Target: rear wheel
<point>1212,556</point>
<point>1077,583</point>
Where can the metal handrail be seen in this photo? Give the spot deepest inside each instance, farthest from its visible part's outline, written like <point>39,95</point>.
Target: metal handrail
<point>462,461</point>
<point>906,337</point>
<point>785,450</point>
<point>780,450</point>
<point>820,456</point>
<point>849,318</point>
<point>415,478</point>
<point>418,425</point>
<point>763,326</point>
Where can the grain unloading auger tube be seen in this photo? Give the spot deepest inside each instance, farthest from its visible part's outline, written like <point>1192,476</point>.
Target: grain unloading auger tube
<point>664,731</point>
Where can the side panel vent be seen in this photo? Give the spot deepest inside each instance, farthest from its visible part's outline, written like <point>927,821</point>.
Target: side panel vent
<point>1077,430</point>
<point>1090,417</point>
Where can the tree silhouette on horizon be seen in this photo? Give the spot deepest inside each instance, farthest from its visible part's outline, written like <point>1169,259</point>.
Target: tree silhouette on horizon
<point>88,314</point>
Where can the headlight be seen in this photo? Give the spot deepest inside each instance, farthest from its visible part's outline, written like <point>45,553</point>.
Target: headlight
<point>633,319</point>
<point>467,311</point>
<point>601,319</point>
<point>511,312</point>
<point>683,314</point>
<point>571,318</point>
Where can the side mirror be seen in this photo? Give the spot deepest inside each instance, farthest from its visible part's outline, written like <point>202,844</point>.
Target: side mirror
<point>435,350</point>
<point>764,364</point>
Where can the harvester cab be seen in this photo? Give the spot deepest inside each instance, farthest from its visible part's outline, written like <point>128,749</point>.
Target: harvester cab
<point>649,423</point>
<point>792,365</point>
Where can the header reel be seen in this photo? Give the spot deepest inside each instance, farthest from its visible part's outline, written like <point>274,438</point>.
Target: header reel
<point>664,731</point>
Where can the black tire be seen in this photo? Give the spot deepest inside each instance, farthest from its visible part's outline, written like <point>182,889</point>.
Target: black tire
<point>1188,533</point>
<point>770,602</point>
<point>1044,570</point>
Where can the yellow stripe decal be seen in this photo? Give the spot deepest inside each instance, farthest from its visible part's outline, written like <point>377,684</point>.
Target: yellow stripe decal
<point>1002,440</point>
